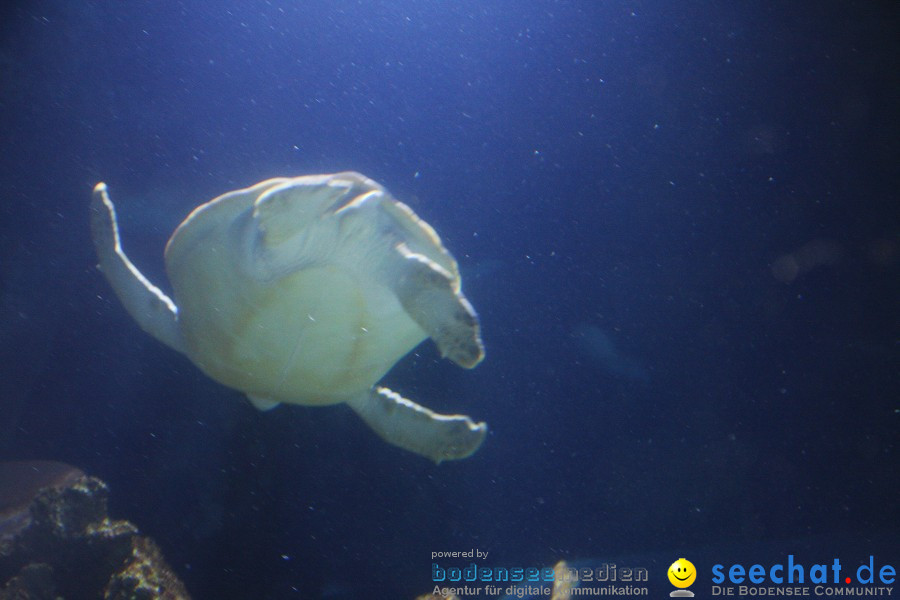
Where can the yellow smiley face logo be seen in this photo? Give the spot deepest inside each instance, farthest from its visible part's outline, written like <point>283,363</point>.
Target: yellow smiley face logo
<point>682,573</point>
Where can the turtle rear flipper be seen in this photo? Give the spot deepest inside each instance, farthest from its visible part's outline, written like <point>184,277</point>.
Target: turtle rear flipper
<point>153,310</point>
<point>431,296</point>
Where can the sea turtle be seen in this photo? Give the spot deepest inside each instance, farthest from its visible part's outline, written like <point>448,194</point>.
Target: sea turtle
<point>307,290</point>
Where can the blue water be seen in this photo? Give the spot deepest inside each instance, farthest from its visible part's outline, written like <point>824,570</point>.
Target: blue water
<point>677,222</point>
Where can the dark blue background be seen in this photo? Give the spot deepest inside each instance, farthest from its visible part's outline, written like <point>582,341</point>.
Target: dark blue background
<point>632,170</point>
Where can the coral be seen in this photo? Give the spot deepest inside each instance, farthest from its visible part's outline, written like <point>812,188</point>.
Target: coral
<point>71,549</point>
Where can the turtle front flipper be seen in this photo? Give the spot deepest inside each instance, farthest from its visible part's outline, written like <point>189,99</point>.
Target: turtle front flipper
<point>153,310</point>
<point>415,428</point>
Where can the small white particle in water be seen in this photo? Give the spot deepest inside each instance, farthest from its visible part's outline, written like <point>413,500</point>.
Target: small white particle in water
<point>310,317</point>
